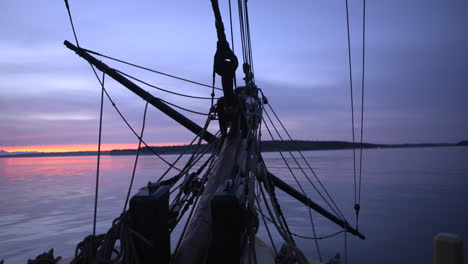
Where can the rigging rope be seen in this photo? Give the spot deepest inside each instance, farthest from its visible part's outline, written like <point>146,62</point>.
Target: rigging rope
<point>161,89</point>
<point>300,187</point>
<point>335,209</point>
<point>284,230</point>
<point>249,41</point>
<point>352,102</point>
<point>182,235</point>
<point>71,22</point>
<point>244,25</point>
<point>357,182</point>
<point>140,138</point>
<point>242,32</point>
<point>306,237</point>
<point>362,107</point>
<point>148,69</point>
<point>98,155</point>
<point>131,64</point>
<point>281,227</point>
<point>230,25</point>
<point>196,195</point>
<point>128,124</point>
<point>213,89</point>
<point>185,150</point>
<point>232,38</point>
<point>259,208</point>
<point>194,158</point>
<point>183,187</point>
<point>183,108</point>
<point>345,247</point>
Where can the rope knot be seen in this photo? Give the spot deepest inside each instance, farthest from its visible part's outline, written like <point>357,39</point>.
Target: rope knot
<point>225,61</point>
<point>357,207</point>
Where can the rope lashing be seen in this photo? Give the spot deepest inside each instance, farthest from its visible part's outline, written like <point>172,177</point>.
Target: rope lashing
<point>225,61</point>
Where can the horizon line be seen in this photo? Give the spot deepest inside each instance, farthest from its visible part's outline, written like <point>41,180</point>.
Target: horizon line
<point>133,146</point>
<point>79,147</point>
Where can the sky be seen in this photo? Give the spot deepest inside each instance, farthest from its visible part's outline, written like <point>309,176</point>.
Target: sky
<point>416,69</point>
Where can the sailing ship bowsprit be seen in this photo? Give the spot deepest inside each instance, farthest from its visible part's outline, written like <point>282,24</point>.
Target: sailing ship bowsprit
<point>222,193</point>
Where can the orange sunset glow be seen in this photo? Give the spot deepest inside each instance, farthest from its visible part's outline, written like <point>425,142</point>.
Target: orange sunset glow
<point>80,147</point>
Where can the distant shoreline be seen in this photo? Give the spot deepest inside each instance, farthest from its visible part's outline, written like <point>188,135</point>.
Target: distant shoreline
<point>267,146</point>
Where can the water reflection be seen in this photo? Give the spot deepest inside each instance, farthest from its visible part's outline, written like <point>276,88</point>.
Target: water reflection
<point>409,195</point>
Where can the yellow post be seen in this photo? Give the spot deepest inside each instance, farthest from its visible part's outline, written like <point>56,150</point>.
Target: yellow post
<point>448,249</point>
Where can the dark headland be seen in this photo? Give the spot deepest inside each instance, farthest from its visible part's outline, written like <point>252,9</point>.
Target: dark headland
<point>267,146</point>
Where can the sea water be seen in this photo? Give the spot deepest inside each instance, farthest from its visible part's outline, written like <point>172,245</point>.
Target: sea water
<point>408,196</point>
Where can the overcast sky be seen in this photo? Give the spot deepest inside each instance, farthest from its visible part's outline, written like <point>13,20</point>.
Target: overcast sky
<point>416,68</point>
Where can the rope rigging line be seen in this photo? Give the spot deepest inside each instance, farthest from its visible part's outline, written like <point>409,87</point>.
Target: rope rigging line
<point>104,245</point>
<point>183,108</point>
<point>194,158</point>
<point>230,25</point>
<point>213,81</point>
<point>284,230</point>
<point>335,209</point>
<point>177,200</point>
<point>178,158</point>
<point>98,155</point>
<point>105,91</point>
<point>161,89</point>
<point>232,39</point>
<point>71,22</point>
<point>300,187</point>
<point>281,227</point>
<point>357,185</point>
<point>306,237</point>
<point>162,100</point>
<point>182,235</point>
<point>115,106</point>
<point>303,191</point>
<point>320,237</point>
<point>259,209</point>
<point>345,247</point>
<point>306,162</point>
<point>352,100</point>
<point>136,157</point>
<point>205,150</point>
<point>244,25</point>
<point>245,45</point>
<point>148,69</point>
<point>362,107</point>
<point>211,161</point>
<point>242,32</point>
<point>167,102</point>
<point>357,189</point>
<point>128,124</point>
<point>249,39</point>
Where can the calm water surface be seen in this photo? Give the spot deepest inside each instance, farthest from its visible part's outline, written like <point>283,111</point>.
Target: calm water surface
<point>408,196</point>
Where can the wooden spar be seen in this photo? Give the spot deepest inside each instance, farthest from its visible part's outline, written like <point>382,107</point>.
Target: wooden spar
<point>156,102</point>
<point>314,206</point>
